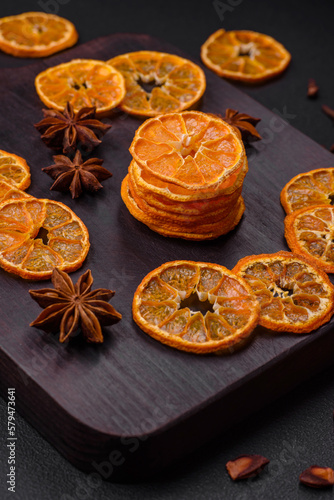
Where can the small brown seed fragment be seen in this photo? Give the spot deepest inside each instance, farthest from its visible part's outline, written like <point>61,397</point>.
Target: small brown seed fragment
<point>246,466</point>
<point>317,477</point>
<point>331,149</point>
<point>312,88</point>
<point>328,111</point>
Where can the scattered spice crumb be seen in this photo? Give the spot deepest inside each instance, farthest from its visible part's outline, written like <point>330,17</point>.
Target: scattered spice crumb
<point>328,111</point>
<point>312,88</point>
<point>246,466</point>
<point>317,477</point>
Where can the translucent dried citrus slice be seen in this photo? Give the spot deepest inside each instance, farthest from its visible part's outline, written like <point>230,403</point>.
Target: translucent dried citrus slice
<point>244,55</point>
<point>310,188</point>
<point>173,194</point>
<point>203,208</point>
<point>310,232</point>
<point>38,235</point>
<point>14,170</point>
<point>195,306</point>
<point>191,149</point>
<point>36,34</point>
<point>158,83</point>
<point>82,82</point>
<point>294,295</point>
<point>9,192</point>
<point>191,230</point>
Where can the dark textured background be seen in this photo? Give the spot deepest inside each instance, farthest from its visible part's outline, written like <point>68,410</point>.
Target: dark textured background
<point>297,430</point>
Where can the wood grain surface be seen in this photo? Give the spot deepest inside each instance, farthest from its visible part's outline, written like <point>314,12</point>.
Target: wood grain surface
<point>132,405</point>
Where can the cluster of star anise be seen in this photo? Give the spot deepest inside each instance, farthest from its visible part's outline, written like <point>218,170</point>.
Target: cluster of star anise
<point>72,132</point>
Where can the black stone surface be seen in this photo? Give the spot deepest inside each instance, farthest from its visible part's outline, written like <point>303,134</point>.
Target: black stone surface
<point>297,430</point>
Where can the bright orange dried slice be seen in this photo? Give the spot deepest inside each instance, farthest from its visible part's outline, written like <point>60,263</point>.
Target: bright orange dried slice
<point>158,83</point>
<point>9,192</point>
<point>244,55</point>
<point>195,306</point>
<point>191,149</point>
<point>172,193</point>
<point>294,295</point>
<point>310,232</point>
<point>82,82</point>
<point>14,170</point>
<point>38,235</point>
<point>36,34</point>
<point>310,188</point>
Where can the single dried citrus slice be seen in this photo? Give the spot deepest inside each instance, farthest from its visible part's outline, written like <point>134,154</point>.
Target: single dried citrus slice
<point>294,295</point>
<point>9,192</point>
<point>310,232</point>
<point>195,306</point>
<point>38,235</point>
<point>158,83</point>
<point>191,149</point>
<point>36,34</point>
<point>244,55</point>
<point>14,170</point>
<point>310,188</point>
<point>171,193</point>
<point>82,82</point>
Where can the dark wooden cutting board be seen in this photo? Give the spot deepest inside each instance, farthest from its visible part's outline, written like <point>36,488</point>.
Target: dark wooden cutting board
<point>132,405</point>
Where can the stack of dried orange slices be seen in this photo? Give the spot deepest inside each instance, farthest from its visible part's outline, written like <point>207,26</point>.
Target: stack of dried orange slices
<point>186,176</point>
<point>309,225</point>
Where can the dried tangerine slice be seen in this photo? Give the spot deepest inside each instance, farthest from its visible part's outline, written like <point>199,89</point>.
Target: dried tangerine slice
<point>158,83</point>
<point>177,304</point>
<point>244,55</point>
<point>310,188</point>
<point>82,82</point>
<point>9,192</point>
<point>310,232</point>
<point>294,295</point>
<point>177,153</point>
<point>36,34</point>
<point>152,185</point>
<point>38,235</point>
<point>14,170</point>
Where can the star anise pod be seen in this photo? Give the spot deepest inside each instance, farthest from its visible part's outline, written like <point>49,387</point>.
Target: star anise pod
<point>77,175</point>
<point>245,123</point>
<point>68,307</point>
<point>68,130</point>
